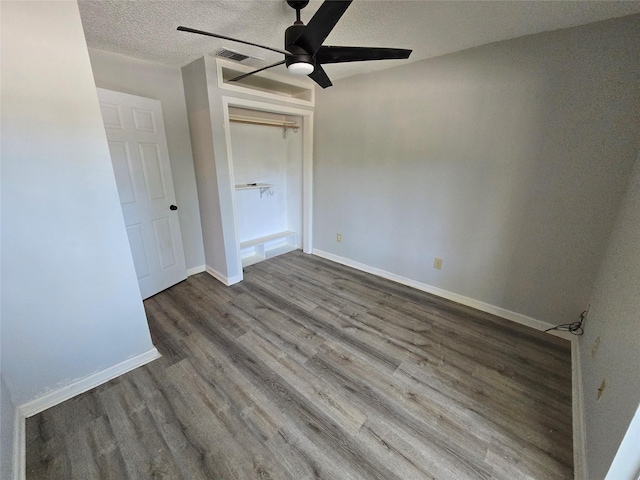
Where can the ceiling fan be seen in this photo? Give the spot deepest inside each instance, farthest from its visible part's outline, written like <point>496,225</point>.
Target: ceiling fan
<point>303,49</point>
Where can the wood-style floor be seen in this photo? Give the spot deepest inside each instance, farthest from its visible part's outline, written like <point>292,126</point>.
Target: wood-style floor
<point>308,369</point>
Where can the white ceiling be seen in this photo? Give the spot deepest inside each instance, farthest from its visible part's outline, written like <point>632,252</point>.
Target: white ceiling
<point>146,29</point>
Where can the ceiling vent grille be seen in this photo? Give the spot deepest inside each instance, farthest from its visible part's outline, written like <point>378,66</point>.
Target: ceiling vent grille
<point>232,55</point>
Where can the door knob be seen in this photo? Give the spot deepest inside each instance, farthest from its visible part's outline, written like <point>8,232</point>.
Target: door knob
<point>173,207</point>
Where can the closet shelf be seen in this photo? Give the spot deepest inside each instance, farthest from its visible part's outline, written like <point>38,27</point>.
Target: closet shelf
<point>258,249</point>
<point>250,186</point>
<point>267,239</point>
<point>264,187</point>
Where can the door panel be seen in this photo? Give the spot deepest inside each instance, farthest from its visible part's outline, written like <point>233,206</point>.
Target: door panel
<point>152,171</point>
<point>121,160</point>
<point>143,120</point>
<point>136,240</point>
<point>162,230</point>
<point>138,146</point>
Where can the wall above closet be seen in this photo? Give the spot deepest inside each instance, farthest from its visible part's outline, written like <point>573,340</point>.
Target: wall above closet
<point>265,84</point>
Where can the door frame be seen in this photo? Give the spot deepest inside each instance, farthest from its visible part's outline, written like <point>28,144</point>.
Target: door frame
<point>307,162</point>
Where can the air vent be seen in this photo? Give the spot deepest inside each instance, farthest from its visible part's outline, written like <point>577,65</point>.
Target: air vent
<point>231,55</point>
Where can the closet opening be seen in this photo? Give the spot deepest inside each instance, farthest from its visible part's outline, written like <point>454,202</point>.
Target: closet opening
<point>270,165</point>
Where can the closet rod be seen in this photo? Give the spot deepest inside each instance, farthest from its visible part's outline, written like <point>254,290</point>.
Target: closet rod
<point>265,122</point>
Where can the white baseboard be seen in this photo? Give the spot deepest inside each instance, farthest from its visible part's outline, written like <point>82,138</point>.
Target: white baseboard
<point>469,302</point>
<point>228,281</point>
<point>77,387</point>
<point>19,446</point>
<point>195,270</point>
<point>577,406</point>
<point>55,397</point>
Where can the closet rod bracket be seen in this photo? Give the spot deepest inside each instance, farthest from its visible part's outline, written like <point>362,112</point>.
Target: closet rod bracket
<point>266,189</point>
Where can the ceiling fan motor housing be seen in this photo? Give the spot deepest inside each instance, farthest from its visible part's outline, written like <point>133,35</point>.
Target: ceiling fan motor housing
<point>298,4</point>
<point>298,54</point>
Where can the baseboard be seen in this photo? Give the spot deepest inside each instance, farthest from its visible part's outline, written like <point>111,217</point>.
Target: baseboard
<point>55,397</point>
<point>195,270</point>
<point>19,446</point>
<point>228,281</point>
<point>577,406</point>
<point>469,302</point>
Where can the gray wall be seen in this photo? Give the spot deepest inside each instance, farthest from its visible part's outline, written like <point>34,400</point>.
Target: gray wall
<point>146,79</point>
<point>509,161</point>
<point>71,304</point>
<point>611,344</point>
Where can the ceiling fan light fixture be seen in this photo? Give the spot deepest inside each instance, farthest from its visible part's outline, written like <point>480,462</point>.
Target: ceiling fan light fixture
<point>300,68</point>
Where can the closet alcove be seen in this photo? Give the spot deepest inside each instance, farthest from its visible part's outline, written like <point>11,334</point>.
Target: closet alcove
<point>252,144</point>
<point>266,155</point>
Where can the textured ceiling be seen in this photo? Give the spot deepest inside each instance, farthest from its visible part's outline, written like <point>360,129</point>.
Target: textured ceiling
<point>146,29</point>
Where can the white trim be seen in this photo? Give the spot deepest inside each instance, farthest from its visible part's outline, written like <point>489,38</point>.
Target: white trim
<point>195,270</point>
<point>577,404</point>
<point>58,396</point>
<point>19,446</point>
<point>307,184</point>
<point>232,182</point>
<point>469,302</point>
<point>223,278</point>
<point>77,387</point>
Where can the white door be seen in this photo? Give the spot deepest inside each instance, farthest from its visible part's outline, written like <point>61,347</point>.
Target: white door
<point>138,145</point>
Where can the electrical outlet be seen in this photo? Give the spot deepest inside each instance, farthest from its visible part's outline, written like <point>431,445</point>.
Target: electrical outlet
<point>437,263</point>
<point>338,237</point>
<point>603,385</point>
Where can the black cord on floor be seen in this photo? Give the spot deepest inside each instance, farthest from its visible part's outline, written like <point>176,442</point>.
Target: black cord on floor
<point>575,328</point>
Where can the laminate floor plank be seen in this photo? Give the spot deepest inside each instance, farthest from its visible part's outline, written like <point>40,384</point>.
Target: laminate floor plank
<point>497,405</point>
<point>448,325</point>
<point>312,423</point>
<point>320,394</point>
<point>447,432</point>
<point>312,370</point>
<point>302,459</point>
<point>213,422</point>
<point>261,415</point>
<point>292,337</point>
<point>485,326</point>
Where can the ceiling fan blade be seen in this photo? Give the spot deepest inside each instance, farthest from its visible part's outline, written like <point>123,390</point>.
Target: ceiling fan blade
<point>215,35</point>
<point>321,25</point>
<point>359,54</point>
<point>320,77</point>
<point>245,75</point>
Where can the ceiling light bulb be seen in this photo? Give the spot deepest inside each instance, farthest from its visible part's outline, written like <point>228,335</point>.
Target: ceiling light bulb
<point>300,68</point>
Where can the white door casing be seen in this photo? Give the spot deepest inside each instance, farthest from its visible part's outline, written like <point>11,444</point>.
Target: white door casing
<point>140,158</point>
